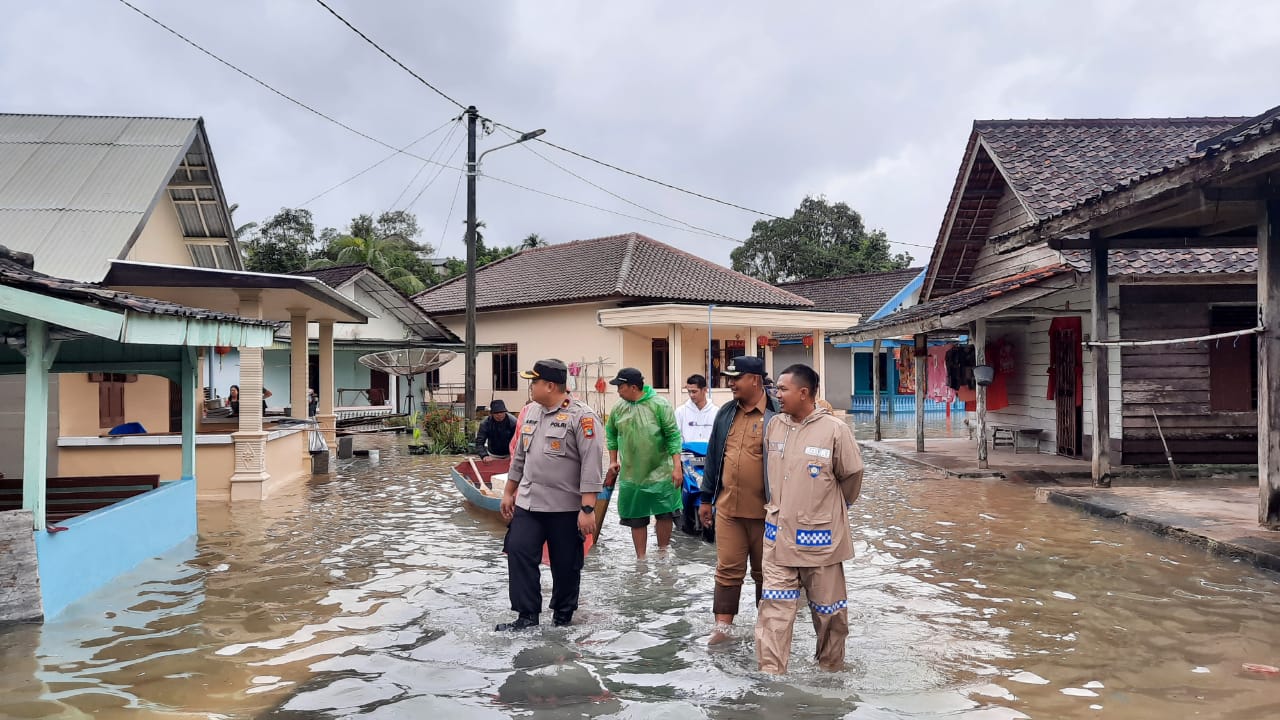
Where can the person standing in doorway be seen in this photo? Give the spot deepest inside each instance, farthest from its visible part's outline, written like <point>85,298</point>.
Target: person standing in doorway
<point>644,455</point>
<point>813,474</point>
<point>550,496</point>
<point>734,484</point>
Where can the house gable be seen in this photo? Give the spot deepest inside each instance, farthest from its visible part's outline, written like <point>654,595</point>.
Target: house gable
<point>78,192</point>
<point>1018,172</point>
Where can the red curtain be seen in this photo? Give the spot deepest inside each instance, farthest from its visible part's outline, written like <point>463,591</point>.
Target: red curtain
<point>1056,330</point>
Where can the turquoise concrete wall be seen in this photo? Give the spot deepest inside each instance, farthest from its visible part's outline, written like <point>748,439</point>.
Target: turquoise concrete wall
<point>101,545</point>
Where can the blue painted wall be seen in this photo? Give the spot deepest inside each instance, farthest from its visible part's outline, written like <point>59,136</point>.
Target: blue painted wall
<point>101,545</point>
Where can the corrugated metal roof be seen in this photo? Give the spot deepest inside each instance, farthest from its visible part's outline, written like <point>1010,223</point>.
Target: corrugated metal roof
<point>74,189</point>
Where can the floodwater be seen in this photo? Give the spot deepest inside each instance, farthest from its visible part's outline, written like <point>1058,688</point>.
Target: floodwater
<point>374,594</point>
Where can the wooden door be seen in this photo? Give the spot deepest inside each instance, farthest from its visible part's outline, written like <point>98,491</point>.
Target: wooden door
<point>379,388</point>
<point>1066,342</point>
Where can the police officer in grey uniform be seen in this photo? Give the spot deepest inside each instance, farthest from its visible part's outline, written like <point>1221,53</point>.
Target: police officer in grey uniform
<point>550,496</point>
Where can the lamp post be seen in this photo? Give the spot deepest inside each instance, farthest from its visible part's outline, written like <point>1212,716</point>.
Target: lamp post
<point>473,171</point>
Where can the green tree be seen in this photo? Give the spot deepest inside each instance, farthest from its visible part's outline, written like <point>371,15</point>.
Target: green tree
<point>533,240</point>
<point>282,243</point>
<point>240,230</point>
<point>820,239</point>
<point>386,244</point>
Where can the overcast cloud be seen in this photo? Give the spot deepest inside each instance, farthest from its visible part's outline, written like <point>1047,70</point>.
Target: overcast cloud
<point>758,103</point>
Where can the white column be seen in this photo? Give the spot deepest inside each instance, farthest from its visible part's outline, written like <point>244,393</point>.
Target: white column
<point>675,362</point>
<point>250,476</point>
<point>820,360</point>
<point>190,383</point>
<point>35,451</point>
<point>325,416</point>
<point>298,362</point>
<point>875,387</point>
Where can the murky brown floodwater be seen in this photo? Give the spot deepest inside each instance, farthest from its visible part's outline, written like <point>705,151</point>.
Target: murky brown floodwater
<point>374,594</point>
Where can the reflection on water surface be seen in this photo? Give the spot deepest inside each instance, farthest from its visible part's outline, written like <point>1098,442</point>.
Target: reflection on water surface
<point>374,594</point>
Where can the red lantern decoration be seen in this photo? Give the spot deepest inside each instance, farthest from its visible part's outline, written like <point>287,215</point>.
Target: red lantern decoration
<point>808,341</point>
<point>773,343</point>
<point>762,341</point>
<point>222,349</point>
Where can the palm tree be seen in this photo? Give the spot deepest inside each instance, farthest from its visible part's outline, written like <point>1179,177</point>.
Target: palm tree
<point>534,240</point>
<point>241,230</point>
<point>374,253</point>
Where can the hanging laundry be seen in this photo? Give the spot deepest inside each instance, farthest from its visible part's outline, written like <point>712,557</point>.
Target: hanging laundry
<point>937,388</point>
<point>906,359</point>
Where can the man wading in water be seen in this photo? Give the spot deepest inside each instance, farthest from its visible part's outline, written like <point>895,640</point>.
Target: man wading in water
<point>813,472</point>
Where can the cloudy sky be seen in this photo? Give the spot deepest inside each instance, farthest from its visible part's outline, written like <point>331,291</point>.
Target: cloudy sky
<point>756,103</point>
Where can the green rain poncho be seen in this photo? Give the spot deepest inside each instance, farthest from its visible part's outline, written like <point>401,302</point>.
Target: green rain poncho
<point>645,434</point>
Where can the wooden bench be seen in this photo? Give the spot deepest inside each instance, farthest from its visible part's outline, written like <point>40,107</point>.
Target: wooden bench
<point>1014,436</point>
<point>67,497</point>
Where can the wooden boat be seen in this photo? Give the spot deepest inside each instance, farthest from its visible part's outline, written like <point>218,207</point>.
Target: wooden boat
<point>475,480</point>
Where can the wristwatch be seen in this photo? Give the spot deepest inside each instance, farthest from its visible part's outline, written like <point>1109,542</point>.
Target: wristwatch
<point>589,509</point>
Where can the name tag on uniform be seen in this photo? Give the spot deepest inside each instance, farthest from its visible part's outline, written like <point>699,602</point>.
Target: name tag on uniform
<point>818,452</point>
<point>777,446</point>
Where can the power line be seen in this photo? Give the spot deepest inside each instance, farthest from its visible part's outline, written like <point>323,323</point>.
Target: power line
<point>439,146</point>
<point>402,150</point>
<point>448,218</point>
<point>389,56</point>
<point>511,133</point>
<point>264,84</point>
<point>439,172</point>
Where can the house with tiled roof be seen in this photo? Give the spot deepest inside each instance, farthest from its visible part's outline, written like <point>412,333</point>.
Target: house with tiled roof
<point>1023,309</point>
<point>618,301</point>
<point>870,295</point>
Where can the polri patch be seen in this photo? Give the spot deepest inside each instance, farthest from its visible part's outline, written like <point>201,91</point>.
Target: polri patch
<point>824,453</point>
<point>588,425</point>
<point>814,470</point>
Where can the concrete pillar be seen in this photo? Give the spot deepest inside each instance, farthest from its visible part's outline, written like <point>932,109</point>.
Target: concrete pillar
<point>190,383</point>
<point>35,451</point>
<point>325,416</point>
<point>298,362</point>
<point>250,476</point>
<point>675,362</point>
<point>820,360</point>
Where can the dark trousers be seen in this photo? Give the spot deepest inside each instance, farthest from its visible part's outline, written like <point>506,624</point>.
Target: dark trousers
<point>523,545</point>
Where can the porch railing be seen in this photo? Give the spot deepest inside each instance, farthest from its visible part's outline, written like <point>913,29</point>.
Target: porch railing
<point>902,404</point>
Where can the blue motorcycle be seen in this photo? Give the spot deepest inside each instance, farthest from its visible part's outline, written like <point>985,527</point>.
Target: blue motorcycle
<point>693,458</point>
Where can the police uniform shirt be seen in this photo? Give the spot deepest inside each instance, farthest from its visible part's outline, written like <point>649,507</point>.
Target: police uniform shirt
<point>559,457</point>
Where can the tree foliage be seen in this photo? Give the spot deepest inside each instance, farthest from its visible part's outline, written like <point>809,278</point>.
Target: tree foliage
<point>282,244</point>
<point>820,239</point>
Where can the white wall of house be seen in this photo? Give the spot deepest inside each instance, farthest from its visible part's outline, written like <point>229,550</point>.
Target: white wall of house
<point>161,239</point>
<point>837,382</point>
<point>567,332</point>
<point>12,424</point>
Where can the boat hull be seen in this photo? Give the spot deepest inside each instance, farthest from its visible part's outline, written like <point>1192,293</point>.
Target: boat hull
<point>473,493</point>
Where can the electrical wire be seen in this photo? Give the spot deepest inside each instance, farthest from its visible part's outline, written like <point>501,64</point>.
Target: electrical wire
<point>388,55</point>
<point>319,195</point>
<point>607,191</point>
<point>421,168</point>
<point>439,172</point>
<point>444,232</point>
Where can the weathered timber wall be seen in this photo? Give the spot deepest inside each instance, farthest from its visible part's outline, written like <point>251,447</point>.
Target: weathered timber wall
<point>19,577</point>
<point>1174,380</point>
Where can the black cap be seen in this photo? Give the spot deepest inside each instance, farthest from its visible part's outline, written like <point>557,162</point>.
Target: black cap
<point>551,370</point>
<point>745,365</point>
<point>628,376</point>
<point>497,406</point>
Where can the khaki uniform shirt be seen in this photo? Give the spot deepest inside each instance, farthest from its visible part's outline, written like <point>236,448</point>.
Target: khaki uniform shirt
<point>814,471</point>
<point>559,456</point>
<point>742,476</point>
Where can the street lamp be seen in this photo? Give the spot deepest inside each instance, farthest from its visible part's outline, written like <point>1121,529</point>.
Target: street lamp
<point>473,171</point>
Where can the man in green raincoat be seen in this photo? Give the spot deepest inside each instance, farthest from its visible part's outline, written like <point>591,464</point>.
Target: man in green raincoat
<point>642,429</point>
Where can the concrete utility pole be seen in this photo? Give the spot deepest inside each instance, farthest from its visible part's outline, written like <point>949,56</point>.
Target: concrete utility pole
<point>473,172</point>
<point>469,392</point>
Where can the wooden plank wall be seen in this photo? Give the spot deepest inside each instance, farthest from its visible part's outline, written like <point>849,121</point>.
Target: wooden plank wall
<point>991,265</point>
<point>1029,405</point>
<point>1174,379</point>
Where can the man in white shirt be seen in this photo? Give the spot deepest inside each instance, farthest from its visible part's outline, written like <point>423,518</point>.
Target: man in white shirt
<point>695,418</point>
<point>698,413</point>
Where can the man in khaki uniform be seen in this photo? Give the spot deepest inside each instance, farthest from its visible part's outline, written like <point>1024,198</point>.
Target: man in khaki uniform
<point>550,495</point>
<point>813,472</point>
<point>733,481</point>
